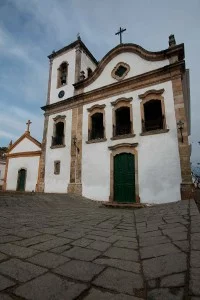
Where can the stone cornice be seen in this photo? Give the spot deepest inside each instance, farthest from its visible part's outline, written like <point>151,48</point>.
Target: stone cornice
<point>150,92</point>
<point>133,48</point>
<point>24,154</point>
<point>130,84</point>
<point>77,43</point>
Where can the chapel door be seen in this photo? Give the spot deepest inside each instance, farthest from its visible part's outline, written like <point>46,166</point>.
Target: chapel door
<point>124,178</point>
<point>21,180</point>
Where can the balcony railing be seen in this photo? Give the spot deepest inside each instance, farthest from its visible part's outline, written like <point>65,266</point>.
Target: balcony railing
<point>149,125</point>
<point>57,140</point>
<point>95,134</point>
<point>122,129</point>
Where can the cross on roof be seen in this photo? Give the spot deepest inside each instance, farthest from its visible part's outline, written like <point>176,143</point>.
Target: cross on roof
<point>28,125</point>
<point>120,33</point>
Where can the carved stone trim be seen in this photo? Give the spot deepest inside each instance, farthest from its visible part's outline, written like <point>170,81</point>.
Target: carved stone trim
<point>59,118</point>
<point>122,102</point>
<point>123,64</point>
<point>122,99</point>
<point>127,145</point>
<point>148,96</point>
<point>158,131</point>
<point>96,141</point>
<point>96,106</point>
<point>124,136</point>
<point>93,110</point>
<point>155,92</point>
<point>58,146</point>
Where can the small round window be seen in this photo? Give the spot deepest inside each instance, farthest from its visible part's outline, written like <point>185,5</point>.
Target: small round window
<point>120,71</point>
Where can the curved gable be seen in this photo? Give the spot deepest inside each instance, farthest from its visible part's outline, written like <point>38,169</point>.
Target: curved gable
<point>139,60</point>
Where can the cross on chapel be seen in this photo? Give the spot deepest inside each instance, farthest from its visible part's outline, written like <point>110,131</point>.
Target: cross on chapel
<point>28,125</point>
<point>121,30</point>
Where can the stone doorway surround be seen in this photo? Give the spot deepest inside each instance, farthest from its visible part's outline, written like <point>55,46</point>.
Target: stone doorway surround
<point>118,149</point>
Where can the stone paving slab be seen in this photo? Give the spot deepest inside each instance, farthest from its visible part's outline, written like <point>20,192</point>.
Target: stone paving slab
<point>68,247</point>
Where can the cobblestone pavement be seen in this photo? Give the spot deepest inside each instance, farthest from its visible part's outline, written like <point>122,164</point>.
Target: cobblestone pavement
<point>63,247</point>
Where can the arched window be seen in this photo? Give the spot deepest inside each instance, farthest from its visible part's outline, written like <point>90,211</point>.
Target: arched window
<point>62,74</point>
<point>96,123</point>
<point>89,72</point>
<point>122,121</point>
<point>58,138</point>
<point>153,111</point>
<point>153,118</point>
<point>97,129</point>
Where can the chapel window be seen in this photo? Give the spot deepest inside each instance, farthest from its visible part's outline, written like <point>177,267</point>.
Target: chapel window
<point>122,121</point>
<point>153,117</point>
<point>120,71</point>
<point>57,167</point>
<point>89,72</point>
<point>97,128</point>
<point>62,74</point>
<point>58,138</point>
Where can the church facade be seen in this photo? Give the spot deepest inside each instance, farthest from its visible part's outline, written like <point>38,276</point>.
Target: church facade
<point>117,130</point>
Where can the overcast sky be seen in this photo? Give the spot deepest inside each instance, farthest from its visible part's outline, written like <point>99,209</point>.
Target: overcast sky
<point>31,29</point>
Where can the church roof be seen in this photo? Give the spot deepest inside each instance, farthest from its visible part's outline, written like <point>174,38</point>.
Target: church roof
<point>25,135</point>
<point>134,48</point>
<point>78,42</point>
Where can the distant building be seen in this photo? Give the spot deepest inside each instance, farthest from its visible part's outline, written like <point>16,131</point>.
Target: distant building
<point>110,128</point>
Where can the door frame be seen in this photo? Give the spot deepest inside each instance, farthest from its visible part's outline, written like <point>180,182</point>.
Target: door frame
<point>18,178</point>
<point>119,149</point>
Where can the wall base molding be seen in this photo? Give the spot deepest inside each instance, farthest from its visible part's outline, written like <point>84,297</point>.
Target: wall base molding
<point>187,191</point>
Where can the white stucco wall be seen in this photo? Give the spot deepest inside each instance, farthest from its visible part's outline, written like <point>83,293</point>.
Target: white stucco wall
<point>68,57</point>
<point>86,62</point>
<point>158,157</point>
<point>58,183</point>
<point>31,164</point>
<point>137,65</point>
<point>2,171</point>
<point>24,146</point>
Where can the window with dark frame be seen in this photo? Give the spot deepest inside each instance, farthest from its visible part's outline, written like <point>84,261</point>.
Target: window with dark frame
<point>120,71</point>
<point>57,167</point>
<point>58,138</point>
<point>97,128</point>
<point>62,74</point>
<point>89,72</point>
<point>122,121</point>
<point>153,118</point>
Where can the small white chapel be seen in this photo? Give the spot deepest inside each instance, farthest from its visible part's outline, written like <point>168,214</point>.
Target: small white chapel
<point>114,130</point>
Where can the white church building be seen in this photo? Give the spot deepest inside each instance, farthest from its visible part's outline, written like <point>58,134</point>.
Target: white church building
<point>114,130</point>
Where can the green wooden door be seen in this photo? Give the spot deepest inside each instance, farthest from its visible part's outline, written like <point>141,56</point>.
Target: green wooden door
<point>21,180</point>
<point>124,178</point>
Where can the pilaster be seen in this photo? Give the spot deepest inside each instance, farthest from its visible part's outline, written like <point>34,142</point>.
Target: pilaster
<point>75,185</point>
<point>187,191</point>
<point>41,172</point>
